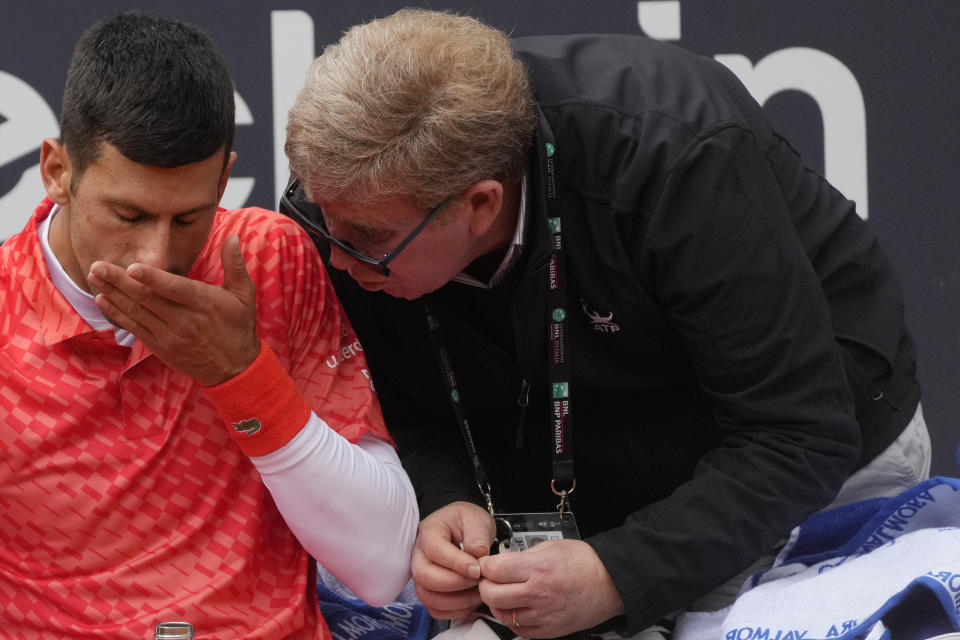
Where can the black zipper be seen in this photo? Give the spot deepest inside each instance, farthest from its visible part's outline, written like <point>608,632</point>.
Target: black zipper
<point>522,401</point>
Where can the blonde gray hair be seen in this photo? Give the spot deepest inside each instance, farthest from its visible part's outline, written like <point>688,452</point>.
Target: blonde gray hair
<point>419,104</point>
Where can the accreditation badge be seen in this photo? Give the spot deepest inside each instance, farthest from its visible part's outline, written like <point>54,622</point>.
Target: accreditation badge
<point>521,531</point>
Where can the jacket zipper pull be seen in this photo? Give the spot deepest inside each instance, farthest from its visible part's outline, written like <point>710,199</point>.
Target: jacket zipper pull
<point>522,402</point>
<point>879,395</point>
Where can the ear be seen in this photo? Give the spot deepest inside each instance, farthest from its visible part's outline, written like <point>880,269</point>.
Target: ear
<point>486,203</point>
<point>222,186</point>
<point>56,169</point>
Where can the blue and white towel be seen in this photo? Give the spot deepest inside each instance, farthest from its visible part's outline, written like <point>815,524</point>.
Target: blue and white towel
<point>350,618</point>
<point>876,569</point>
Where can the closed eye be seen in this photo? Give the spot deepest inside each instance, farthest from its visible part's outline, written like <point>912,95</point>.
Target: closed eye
<point>364,236</point>
<point>129,218</point>
<point>185,221</point>
<point>375,236</point>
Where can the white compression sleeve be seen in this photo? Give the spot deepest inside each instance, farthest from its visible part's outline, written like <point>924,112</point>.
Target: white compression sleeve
<point>352,507</point>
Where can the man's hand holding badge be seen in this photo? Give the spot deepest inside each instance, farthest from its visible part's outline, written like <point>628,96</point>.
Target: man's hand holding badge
<point>539,591</point>
<point>549,590</point>
<point>444,565</point>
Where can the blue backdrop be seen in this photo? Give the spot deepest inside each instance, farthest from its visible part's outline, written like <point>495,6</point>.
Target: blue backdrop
<point>866,89</point>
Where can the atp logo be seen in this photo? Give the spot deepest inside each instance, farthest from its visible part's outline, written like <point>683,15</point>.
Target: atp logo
<point>603,324</point>
<point>247,427</point>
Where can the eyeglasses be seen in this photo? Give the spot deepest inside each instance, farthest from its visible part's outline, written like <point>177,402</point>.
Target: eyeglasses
<point>294,203</point>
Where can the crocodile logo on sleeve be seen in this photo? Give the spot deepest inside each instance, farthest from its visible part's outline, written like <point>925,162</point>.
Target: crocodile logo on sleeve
<point>249,426</point>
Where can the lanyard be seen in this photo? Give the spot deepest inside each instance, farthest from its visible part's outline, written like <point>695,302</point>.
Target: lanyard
<point>563,482</point>
<point>453,392</point>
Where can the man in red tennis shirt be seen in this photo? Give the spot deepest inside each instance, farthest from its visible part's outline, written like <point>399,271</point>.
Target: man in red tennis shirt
<point>183,456</point>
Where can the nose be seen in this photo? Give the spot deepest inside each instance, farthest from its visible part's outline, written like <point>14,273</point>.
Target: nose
<point>339,260</point>
<point>156,247</point>
<point>357,269</point>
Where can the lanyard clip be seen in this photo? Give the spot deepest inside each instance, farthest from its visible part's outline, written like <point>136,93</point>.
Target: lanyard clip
<point>563,493</point>
<point>487,495</point>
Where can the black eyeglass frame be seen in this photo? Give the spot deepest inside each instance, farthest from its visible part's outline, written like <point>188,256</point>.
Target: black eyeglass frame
<point>319,227</point>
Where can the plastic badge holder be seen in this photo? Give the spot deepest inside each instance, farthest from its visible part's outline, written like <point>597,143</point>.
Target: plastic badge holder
<point>521,531</point>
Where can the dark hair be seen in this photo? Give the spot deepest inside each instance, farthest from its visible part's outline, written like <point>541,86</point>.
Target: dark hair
<point>156,89</point>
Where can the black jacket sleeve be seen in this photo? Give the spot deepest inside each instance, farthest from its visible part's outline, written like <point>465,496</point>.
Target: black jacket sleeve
<point>723,257</point>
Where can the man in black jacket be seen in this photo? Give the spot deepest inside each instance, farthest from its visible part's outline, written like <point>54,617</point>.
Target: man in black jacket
<point>675,326</point>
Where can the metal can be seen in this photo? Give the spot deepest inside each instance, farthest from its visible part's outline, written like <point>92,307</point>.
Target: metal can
<point>173,631</point>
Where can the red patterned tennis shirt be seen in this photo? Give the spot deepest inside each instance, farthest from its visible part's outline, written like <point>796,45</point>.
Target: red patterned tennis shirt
<point>124,501</point>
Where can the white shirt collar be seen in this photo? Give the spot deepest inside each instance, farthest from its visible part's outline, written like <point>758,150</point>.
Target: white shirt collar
<point>79,299</point>
<point>514,251</point>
